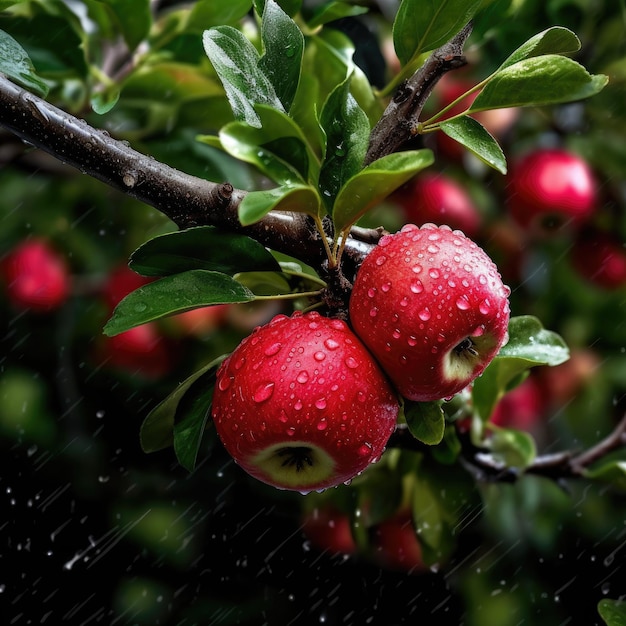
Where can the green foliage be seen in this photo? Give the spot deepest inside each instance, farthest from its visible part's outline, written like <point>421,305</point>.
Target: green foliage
<point>613,612</point>
<point>16,64</point>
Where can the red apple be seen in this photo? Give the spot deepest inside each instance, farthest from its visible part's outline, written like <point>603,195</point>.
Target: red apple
<point>522,407</point>
<point>329,530</point>
<point>300,404</point>
<point>431,306</point>
<point>120,282</point>
<point>36,276</point>
<point>437,198</point>
<point>549,189</point>
<point>202,321</point>
<point>600,258</point>
<point>396,546</point>
<point>142,350</point>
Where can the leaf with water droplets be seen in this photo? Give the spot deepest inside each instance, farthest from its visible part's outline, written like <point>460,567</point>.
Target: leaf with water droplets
<point>16,65</point>
<point>157,429</point>
<point>175,294</point>
<point>474,136</point>
<point>610,470</point>
<point>529,345</point>
<point>201,247</point>
<point>425,420</point>
<point>296,198</point>
<point>613,612</point>
<point>368,187</point>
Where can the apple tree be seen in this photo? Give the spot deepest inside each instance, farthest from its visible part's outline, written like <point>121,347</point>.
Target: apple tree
<point>325,291</point>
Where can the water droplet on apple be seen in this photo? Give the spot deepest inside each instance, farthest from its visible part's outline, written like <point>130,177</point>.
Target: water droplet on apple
<point>412,341</point>
<point>404,301</point>
<point>433,249</point>
<point>373,312</point>
<point>303,377</point>
<point>485,307</point>
<point>322,425</point>
<point>239,363</point>
<point>320,403</point>
<point>263,392</point>
<point>351,363</point>
<point>416,269</point>
<point>225,383</point>
<point>331,344</point>
<point>371,292</point>
<point>433,273</point>
<point>291,431</point>
<point>396,333</point>
<point>319,356</point>
<point>386,287</point>
<point>417,286</point>
<point>462,303</point>
<point>283,416</point>
<point>381,260</point>
<point>364,450</point>
<point>273,349</point>
<point>424,315</point>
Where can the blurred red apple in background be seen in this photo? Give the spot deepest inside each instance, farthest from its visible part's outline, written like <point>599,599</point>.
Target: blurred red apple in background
<point>549,189</point>
<point>437,198</point>
<point>36,276</point>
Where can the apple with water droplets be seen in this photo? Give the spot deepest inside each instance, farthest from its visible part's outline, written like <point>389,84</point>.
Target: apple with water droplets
<point>431,306</point>
<point>300,404</point>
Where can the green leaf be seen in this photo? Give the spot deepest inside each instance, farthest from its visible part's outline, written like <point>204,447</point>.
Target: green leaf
<point>236,62</point>
<point>157,429</point>
<point>298,198</point>
<point>265,283</point>
<point>278,148</point>
<point>133,21</point>
<point>346,129</point>
<point>474,136</point>
<point>555,40</point>
<point>371,185</point>
<point>206,13</point>
<point>448,450</point>
<point>511,448</point>
<point>613,612</point>
<point>538,81</point>
<point>201,247</point>
<point>290,7</point>
<point>422,26</point>
<point>426,421</point>
<point>283,44</point>
<point>441,498</point>
<point>529,344</point>
<point>17,66</point>
<point>175,294</point>
<point>609,470</point>
<point>104,101</point>
<point>332,11</point>
<point>192,415</point>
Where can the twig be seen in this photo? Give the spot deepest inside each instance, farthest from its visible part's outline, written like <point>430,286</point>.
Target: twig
<point>397,125</point>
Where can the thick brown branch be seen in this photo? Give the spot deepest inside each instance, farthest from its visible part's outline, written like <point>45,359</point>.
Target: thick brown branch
<point>186,200</point>
<point>397,125</point>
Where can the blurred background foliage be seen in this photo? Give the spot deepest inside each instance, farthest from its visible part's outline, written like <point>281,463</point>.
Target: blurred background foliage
<point>95,531</point>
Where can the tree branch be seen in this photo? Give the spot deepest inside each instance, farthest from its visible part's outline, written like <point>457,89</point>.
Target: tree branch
<point>186,200</point>
<point>397,125</point>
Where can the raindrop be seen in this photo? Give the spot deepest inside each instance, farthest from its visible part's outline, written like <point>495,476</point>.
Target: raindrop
<point>386,287</point>
<point>371,292</point>
<point>433,273</point>
<point>140,307</point>
<point>239,363</point>
<point>424,315</point>
<point>263,392</point>
<point>331,344</point>
<point>273,349</point>
<point>433,249</point>
<point>373,312</point>
<point>321,425</point>
<point>462,303</point>
<point>320,403</point>
<point>484,307</point>
<point>303,377</point>
<point>416,269</point>
<point>351,362</point>
<point>319,356</point>
<point>404,301</point>
<point>364,450</point>
<point>417,287</point>
<point>381,260</point>
<point>224,383</point>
